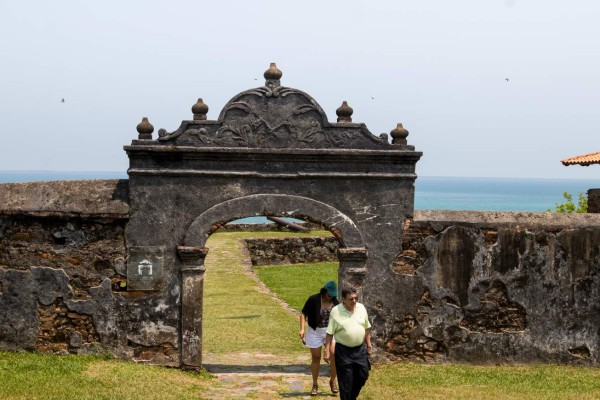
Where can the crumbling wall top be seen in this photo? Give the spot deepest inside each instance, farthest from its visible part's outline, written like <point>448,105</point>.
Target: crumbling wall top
<point>97,198</point>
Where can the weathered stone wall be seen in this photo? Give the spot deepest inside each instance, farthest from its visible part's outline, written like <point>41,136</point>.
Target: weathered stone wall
<point>62,274</point>
<point>291,250</point>
<point>495,287</point>
<point>485,287</point>
<point>46,264</point>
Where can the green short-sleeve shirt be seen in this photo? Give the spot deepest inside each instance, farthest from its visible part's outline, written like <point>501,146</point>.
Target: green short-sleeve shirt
<point>348,328</point>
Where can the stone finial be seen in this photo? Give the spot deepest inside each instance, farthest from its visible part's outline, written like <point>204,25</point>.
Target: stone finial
<point>344,113</point>
<point>145,129</point>
<point>399,134</point>
<point>273,73</point>
<point>199,109</point>
<point>273,76</point>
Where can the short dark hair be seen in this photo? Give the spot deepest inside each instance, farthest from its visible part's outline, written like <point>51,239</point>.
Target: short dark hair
<point>347,290</point>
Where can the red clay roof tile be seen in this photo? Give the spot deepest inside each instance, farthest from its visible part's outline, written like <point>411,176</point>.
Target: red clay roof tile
<point>584,159</point>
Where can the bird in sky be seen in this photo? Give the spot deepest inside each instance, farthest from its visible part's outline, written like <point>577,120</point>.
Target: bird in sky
<point>506,79</point>
<point>63,100</point>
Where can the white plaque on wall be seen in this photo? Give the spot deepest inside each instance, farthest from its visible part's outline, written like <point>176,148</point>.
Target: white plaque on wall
<point>144,267</point>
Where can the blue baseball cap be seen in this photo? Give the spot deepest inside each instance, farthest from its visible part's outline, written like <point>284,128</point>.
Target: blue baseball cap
<point>331,288</point>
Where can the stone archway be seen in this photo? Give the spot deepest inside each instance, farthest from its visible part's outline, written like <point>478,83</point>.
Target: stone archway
<point>271,151</point>
<point>352,253</point>
<point>274,204</point>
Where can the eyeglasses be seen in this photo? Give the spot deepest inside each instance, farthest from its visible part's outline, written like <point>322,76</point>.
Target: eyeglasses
<point>352,298</point>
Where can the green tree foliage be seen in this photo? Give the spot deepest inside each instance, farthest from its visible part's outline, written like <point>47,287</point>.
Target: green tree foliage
<point>570,207</point>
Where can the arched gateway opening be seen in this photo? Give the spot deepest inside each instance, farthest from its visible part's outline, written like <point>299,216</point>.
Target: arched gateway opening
<point>272,152</point>
<point>352,253</point>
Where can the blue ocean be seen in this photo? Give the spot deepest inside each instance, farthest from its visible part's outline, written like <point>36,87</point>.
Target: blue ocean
<point>496,194</point>
<point>431,193</point>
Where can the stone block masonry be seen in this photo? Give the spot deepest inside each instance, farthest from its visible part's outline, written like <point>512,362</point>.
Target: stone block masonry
<point>292,250</point>
<point>87,250</point>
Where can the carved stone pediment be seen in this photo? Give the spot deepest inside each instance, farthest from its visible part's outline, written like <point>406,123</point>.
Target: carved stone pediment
<point>272,116</point>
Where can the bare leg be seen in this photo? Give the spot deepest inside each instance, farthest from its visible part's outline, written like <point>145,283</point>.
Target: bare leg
<point>315,364</point>
<point>332,363</point>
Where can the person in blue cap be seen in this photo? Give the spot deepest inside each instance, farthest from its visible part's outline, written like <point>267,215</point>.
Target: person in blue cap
<point>315,314</point>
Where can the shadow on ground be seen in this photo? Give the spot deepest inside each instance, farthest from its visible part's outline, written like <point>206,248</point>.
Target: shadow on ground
<point>263,369</point>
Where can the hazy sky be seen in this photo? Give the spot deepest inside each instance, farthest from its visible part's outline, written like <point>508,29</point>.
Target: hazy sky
<point>437,66</point>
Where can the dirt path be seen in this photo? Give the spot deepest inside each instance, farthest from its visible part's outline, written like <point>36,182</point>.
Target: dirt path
<point>263,376</point>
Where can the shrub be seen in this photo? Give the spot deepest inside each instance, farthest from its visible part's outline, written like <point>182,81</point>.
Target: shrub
<point>570,207</point>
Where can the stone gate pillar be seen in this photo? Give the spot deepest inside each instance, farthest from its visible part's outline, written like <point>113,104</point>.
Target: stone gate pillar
<point>192,290</point>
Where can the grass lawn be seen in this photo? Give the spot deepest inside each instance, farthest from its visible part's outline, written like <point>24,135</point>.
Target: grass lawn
<point>466,382</point>
<point>43,376</point>
<point>294,283</point>
<point>39,376</point>
<point>240,318</point>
